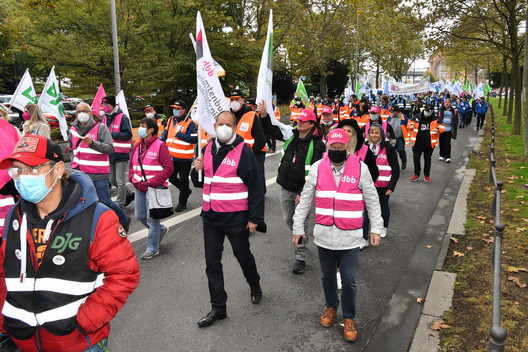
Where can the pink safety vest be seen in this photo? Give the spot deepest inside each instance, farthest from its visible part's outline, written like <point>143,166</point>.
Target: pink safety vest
<point>150,161</point>
<point>6,202</point>
<point>367,127</point>
<point>385,171</point>
<point>341,205</point>
<point>362,152</point>
<point>115,126</point>
<point>87,159</point>
<point>224,191</point>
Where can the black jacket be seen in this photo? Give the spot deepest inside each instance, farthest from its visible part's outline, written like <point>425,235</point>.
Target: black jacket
<point>291,175</point>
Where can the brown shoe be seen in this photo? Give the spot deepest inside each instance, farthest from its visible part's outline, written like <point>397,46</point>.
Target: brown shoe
<point>350,331</point>
<point>328,317</point>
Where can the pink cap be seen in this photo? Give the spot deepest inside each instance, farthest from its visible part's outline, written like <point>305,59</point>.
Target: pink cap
<point>327,110</point>
<point>307,115</point>
<point>375,109</point>
<point>337,136</point>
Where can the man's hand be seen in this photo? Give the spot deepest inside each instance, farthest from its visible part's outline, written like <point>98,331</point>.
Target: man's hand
<point>261,109</point>
<point>88,141</point>
<point>198,164</point>
<point>251,227</point>
<point>388,193</point>
<point>375,239</point>
<point>297,199</point>
<point>296,239</point>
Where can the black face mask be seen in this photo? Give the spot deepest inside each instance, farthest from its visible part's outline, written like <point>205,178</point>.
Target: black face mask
<point>337,156</point>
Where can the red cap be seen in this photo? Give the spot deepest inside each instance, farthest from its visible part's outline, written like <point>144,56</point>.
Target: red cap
<point>307,115</point>
<point>327,110</point>
<point>375,109</point>
<point>33,150</point>
<point>337,136</point>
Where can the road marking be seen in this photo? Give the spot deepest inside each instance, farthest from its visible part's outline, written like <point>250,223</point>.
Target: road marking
<point>173,221</point>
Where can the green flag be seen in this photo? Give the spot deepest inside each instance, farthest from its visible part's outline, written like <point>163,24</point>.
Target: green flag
<point>358,88</point>
<point>487,89</point>
<point>301,91</point>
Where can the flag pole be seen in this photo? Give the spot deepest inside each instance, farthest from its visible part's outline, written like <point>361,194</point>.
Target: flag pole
<point>199,151</point>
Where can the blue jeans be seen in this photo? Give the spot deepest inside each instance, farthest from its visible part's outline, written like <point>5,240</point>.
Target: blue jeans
<point>348,261</point>
<point>101,346</point>
<point>154,226</point>
<point>103,193</point>
<point>385,212</point>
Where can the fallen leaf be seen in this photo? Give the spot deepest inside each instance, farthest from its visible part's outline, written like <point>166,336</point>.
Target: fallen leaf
<point>522,167</point>
<point>515,210</point>
<point>431,334</point>
<point>515,270</point>
<point>520,229</point>
<point>524,219</point>
<point>513,177</point>
<point>420,300</point>
<point>458,254</point>
<point>516,281</point>
<point>489,240</point>
<point>439,325</point>
<point>510,182</point>
<point>469,248</point>
<point>429,246</point>
<point>481,217</point>
<point>454,239</point>
<point>519,197</point>
<point>503,191</point>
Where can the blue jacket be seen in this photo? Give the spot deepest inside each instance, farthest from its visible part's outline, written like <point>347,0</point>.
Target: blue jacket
<point>464,107</point>
<point>481,108</point>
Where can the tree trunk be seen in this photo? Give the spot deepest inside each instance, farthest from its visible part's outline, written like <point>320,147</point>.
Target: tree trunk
<point>525,94</point>
<point>517,117</point>
<point>502,82</point>
<point>377,73</point>
<point>506,93</point>
<point>510,102</point>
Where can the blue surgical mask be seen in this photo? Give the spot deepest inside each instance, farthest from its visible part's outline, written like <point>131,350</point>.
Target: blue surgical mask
<point>142,132</point>
<point>176,112</point>
<point>33,189</point>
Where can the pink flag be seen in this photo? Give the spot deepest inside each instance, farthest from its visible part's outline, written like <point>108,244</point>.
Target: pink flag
<point>9,141</point>
<point>96,105</point>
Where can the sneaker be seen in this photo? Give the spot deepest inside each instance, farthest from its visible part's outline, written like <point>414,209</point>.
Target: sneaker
<point>448,160</point>
<point>404,166</point>
<point>129,198</point>
<point>415,178</point>
<point>350,332</point>
<point>180,207</point>
<point>162,234</point>
<point>427,179</point>
<point>339,284</point>
<point>148,254</point>
<point>298,268</point>
<point>441,158</point>
<point>327,319</point>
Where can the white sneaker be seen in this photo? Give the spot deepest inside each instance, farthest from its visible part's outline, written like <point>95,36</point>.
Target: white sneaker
<point>339,285</point>
<point>441,158</point>
<point>448,160</point>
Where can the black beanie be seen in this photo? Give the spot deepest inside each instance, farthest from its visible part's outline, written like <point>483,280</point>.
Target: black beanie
<point>110,100</point>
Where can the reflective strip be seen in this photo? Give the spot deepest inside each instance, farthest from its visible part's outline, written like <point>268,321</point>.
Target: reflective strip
<point>384,167</point>
<point>307,167</point>
<point>207,180</point>
<point>86,151</point>
<point>169,140</point>
<point>122,144</point>
<point>194,135</point>
<point>91,162</point>
<point>325,194</point>
<point>179,141</point>
<point>225,196</point>
<point>64,312</point>
<point>183,151</point>
<point>148,167</point>
<point>6,201</point>
<point>384,178</point>
<point>2,222</point>
<point>249,141</point>
<point>339,196</point>
<point>140,178</point>
<point>339,213</point>
<point>54,285</point>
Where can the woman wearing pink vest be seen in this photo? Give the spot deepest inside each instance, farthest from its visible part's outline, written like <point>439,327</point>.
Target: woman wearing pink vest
<point>389,173</point>
<point>152,157</point>
<point>341,185</point>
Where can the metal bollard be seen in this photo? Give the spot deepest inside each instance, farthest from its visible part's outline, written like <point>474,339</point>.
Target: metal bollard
<point>498,333</point>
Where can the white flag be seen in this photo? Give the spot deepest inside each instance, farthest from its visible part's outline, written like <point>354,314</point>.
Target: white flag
<point>211,99</point>
<point>25,93</point>
<point>121,102</point>
<point>50,102</point>
<point>265,77</point>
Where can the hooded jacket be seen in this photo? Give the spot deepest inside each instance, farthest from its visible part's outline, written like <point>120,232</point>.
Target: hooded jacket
<point>108,251</point>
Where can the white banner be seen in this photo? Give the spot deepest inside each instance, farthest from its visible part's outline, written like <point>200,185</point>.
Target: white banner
<point>25,93</point>
<point>211,99</point>
<point>50,102</point>
<point>121,102</point>
<point>402,88</point>
<point>265,77</point>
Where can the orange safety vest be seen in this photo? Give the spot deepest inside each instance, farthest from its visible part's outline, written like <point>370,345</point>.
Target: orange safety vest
<point>413,127</point>
<point>277,113</point>
<point>320,108</point>
<point>385,114</point>
<point>244,127</point>
<point>344,113</point>
<point>295,113</point>
<point>178,148</point>
<point>363,120</point>
<point>203,138</point>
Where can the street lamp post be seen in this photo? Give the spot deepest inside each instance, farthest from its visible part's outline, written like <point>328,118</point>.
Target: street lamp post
<point>115,45</point>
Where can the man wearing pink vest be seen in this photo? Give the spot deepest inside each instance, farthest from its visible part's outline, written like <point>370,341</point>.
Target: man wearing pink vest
<point>341,185</point>
<point>233,206</point>
<point>91,145</point>
<point>119,125</point>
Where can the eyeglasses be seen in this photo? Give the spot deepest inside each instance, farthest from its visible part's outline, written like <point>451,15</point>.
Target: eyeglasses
<point>14,172</point>
<point>79,111</point>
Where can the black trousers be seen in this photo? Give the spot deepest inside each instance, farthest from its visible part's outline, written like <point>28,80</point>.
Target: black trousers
<point>480,121</point>
<point>214,246</point>
<point>445,144</point>
<point>417,154</point>
<point>180,179</point>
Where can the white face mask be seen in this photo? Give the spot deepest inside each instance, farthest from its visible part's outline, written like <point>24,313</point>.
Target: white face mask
<point>224,132</point>
<point>428,113</point>
<point>373,117</point>
<point>83,117</point>
<point>235,105</point>
<point>150,115</point>
<point>101,113</point>
<point>329,123</point>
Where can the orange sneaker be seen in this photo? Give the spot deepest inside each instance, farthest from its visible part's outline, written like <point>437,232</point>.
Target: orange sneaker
<point>350,332</point>
<point>328,317</point>
<point>415,178</point>
<point>427,179</point>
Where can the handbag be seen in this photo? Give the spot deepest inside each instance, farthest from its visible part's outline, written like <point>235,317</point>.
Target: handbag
<point>159,199</point>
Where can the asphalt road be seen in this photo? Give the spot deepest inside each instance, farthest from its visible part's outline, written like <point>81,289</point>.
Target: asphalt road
<point>172,295</point>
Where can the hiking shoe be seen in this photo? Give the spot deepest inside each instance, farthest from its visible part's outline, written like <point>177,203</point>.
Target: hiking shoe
<point>327,319</point>
<point>298,268</point>
<point>448,160</point>
<point>427,179</point>
<point>162,234</point>
<point>129,198</point>
<point>404,166</point>
<point>441,158</point>
<point>415,178</point>
<point>148,254</point>
<point>180,207</point>
<point>350,332</point>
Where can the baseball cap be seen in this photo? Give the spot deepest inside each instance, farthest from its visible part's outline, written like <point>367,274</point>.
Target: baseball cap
<point>327,110</point>
<point>429,107</point>
<point>375,109</point>
<point>148,106</point>
<point>179,104</point>
<point>236,93</point>
<point>337,136</point>
<point>33,150</point>
<point>307,115</point>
